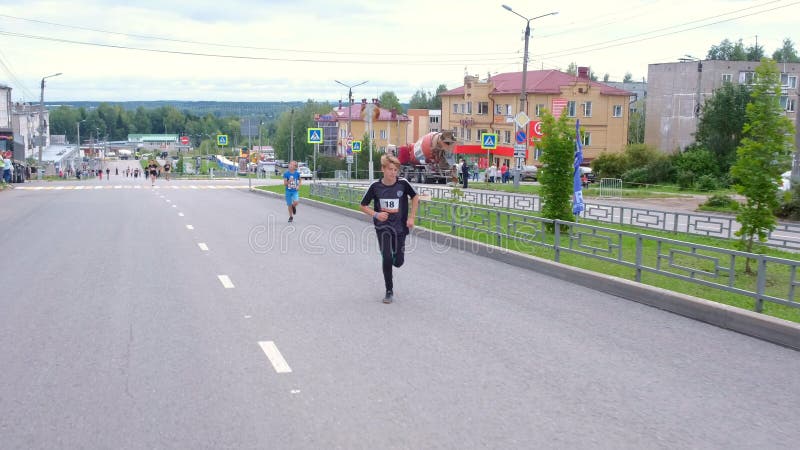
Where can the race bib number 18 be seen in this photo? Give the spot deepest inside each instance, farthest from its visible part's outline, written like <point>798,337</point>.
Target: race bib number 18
<point>390,204</point>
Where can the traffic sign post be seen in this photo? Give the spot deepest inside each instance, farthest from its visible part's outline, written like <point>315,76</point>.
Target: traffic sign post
<point>314,136</point>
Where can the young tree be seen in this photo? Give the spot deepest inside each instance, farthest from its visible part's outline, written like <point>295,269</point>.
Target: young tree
<point>719,128</point>
<point>763,154</point>
<point>558,151</point>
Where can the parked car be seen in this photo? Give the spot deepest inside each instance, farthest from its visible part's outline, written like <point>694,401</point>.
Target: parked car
<point>305,173</point>
<point>529,173</point>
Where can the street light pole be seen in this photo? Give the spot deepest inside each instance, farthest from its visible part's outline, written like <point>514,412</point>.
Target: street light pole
<point>523,95</point>
<point>41,124</point>
<point>350,114</point>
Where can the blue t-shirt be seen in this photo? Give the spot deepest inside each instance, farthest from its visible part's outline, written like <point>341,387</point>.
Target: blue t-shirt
<point>294,180</point>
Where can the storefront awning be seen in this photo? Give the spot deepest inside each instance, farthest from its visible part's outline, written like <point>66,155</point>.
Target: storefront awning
<point>475,149</point>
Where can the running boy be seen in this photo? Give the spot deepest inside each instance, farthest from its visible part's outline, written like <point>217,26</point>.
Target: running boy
<point>292,181</point>
<point>391,217</point>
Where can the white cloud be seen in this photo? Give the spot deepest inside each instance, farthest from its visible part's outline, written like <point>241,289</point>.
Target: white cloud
<point>293,50</point>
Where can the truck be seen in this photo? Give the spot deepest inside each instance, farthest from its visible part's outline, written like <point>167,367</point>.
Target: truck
<point>430,159</point>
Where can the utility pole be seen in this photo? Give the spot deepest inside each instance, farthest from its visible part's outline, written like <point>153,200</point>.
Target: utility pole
<point>291,145</point>
<point>349,118</point>
<point>40,169</point>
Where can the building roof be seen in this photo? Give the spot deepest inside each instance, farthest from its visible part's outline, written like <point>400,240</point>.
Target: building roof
<point>355,113</point>
<point>538,82</point>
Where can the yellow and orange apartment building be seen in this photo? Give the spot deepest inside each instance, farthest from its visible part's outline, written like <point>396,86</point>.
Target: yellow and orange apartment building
<point>490,105</point>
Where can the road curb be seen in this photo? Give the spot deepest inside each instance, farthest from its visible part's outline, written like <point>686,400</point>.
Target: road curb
<point>750,323</point>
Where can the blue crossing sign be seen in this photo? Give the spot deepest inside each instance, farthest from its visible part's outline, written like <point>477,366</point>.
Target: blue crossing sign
<point>222,140</point>
<point>489,141</point>
<point>314,136</point>
<point>356,146</point>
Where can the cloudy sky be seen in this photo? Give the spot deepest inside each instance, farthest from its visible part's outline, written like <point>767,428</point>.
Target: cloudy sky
<point>281,50</point>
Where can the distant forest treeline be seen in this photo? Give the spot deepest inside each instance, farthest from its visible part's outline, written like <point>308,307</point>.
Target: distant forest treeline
<point>269,110</point>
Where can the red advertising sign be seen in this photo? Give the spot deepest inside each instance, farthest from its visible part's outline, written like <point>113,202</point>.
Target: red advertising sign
<point>185,140</point>
<point>534,131</point>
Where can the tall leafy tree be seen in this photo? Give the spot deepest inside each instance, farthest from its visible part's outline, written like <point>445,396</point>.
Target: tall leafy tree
<point>728,51</point>
<point>389,100</point>
<point>755,52</point>
<point>420,100</point>
<point>786,53</point>
<point>628,77</point>
<point>763,154</point>
<point>636,123</point>
<point>722,118</point>
<point>558,151</point>
<point>436,101</point>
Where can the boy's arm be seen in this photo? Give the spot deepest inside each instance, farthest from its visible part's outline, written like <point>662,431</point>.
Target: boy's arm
<point>412,215</point>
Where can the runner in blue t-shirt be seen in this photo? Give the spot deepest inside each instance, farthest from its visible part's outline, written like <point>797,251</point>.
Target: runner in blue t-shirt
<point>291,179</point>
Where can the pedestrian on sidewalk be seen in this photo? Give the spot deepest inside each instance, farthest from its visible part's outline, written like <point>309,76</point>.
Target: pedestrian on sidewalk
<point>391,217</point>
<point>292,181</point>
<point>464,172</point>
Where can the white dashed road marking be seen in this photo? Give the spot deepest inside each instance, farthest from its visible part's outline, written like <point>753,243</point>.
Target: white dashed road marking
<point>203,246</point>
<point>226,282</point>
<point>189,227</point>
<point>275,357</point>
<point>180,214</point>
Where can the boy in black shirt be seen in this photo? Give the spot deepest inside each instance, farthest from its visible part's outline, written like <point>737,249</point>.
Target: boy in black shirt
<point>391,217</point>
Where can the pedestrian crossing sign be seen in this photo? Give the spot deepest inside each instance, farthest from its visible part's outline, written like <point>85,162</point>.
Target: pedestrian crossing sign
<point>222,140</point>
<point>489,141</point>
<point>314,136</point>
<point>356,146</point>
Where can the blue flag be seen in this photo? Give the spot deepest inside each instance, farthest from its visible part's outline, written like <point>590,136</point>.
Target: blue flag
<point>577,201</point>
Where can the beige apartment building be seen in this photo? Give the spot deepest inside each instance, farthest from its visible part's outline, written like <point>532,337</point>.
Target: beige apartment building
<point>490,105</point>
<point>388,127</point>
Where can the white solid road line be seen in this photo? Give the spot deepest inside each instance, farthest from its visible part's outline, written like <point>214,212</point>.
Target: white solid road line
<point>203,246</point>
<point>189,227</point>
<point>226,282</point>
<point>275,357</point>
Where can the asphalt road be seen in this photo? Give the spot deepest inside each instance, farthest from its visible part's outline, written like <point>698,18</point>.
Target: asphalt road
<point>188,316</point>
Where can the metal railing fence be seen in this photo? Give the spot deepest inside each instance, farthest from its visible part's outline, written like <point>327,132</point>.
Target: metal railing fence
<point>621,253</point>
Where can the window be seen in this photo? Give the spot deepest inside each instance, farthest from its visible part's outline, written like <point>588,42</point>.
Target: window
<point>383,134</point>
<point>469,134</point>
<point>469,108</point>
<point>483,108</point>
<point>372,134</point>
<point>461,133</point>
<point>539,108</point>
<point>727,78</point>
<point>498,109</point>
<point>747,77</point>
<point>455,108</point>
<point>789,81</point>
<point>508,110</point>
<point>507,136</point>
<point>617,111</point>
<point>587,109</point>
<point>587,139</point>
<point>480,135</point>
<point>787,103</point>
<point>433,119</point>
<point>571,108</point>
